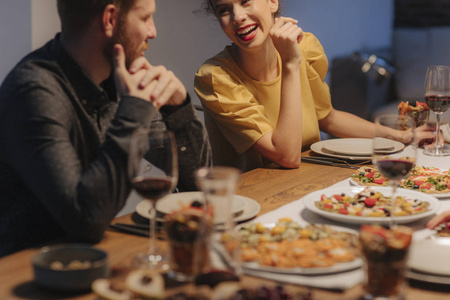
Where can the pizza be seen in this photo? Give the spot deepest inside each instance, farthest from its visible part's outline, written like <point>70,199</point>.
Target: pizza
<point>370,203</point>
<point>428,180</point>
<point>290,245</point>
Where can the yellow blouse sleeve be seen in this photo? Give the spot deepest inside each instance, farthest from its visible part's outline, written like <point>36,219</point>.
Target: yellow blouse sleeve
<point>240,118</point>
<point>317,66</point>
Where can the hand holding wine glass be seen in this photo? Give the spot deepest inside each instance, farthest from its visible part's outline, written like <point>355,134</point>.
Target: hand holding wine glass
<point>153,170</point>
<point>437,97</point>
<point>394,166</point>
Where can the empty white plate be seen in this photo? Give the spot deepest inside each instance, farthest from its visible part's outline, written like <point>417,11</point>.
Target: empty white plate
<point>430,256</point>
<point>359,146</point>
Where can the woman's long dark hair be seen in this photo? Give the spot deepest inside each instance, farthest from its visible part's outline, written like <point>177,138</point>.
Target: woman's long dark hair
<point>208,8</point>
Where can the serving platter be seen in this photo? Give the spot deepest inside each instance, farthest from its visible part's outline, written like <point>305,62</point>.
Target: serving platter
<point>310,199</point>
<point>336,268</point>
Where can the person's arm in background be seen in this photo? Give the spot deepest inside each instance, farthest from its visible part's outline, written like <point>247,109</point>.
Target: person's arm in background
<point>193,146</point>
<point>441,218</point>
<point>344,124</point>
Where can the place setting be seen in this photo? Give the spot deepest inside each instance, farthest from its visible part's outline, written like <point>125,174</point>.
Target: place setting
<point>243,208</point>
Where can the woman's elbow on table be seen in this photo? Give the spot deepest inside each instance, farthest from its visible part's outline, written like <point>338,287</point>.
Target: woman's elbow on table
<point>284,155</point>
<point>289,162</point>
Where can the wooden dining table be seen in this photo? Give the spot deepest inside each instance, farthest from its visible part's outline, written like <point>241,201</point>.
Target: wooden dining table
<point>270,187</point>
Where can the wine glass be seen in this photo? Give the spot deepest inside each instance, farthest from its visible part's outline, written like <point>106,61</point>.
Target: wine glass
<point>391,129</point>
<point>437,97</point>
<point>153,171</point>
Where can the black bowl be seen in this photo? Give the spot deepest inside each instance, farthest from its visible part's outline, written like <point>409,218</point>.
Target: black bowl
<point>56,266</point>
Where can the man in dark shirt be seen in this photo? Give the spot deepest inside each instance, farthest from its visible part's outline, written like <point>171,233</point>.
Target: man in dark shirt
<point>67,112</point>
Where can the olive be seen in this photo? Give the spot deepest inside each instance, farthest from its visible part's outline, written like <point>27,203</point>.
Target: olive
<point>196,203</point>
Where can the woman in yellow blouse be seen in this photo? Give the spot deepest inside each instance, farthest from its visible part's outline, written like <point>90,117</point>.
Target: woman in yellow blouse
<point>264,96</point>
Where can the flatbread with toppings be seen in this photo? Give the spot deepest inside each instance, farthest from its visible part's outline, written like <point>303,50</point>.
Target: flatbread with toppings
<point>289,245</point>
<point>428,180</point>
<point>370,203</point>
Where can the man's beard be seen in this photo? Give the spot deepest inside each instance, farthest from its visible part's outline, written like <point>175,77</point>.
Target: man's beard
<point>132,52</point>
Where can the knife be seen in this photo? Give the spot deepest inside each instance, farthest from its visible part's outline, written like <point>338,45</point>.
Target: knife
<point>329,161</point>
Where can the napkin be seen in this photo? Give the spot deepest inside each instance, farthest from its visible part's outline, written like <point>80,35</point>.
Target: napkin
<point>442,163</point>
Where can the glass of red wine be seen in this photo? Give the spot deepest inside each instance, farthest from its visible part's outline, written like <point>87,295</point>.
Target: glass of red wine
<point>153,171</point>
<point>437,97</point>
<point>391,129</point>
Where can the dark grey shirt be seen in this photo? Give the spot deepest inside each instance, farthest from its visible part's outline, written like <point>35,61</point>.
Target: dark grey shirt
<point>64,148</point>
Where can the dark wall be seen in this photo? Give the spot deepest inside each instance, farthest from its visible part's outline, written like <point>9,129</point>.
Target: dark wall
<point>422,13</point>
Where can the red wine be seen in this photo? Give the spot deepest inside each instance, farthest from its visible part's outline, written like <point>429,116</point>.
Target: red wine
<point>394,169</point>
<point>438,103</point>
<point>152,188</point>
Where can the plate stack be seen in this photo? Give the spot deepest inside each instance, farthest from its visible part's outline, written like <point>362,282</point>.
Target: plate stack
<point>353,148</point>
<point>428,260</point>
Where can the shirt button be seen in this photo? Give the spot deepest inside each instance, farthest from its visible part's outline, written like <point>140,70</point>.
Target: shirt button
<point>84,101</point>
<point>182,149</point>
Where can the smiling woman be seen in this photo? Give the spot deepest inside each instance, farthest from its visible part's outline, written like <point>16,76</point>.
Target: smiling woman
<point>264,96</point>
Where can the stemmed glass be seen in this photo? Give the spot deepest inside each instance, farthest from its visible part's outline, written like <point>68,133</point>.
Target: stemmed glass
<point>389,129</point>
<point>437,97</point>
<point>153,171</point>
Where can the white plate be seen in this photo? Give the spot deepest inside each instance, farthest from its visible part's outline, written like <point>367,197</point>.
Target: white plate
<point>319,149</point>
<point>430,256</point>
<point>437,195</point>
<point>310,199</point>
<point>360,146</point>
<point>176,201</point>
<point>427,277</point>
<point>250,210</point>
<point>143,209</point>
<point>336,268</point>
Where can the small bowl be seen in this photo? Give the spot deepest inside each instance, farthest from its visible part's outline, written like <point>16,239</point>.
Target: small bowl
<point>56,266</point>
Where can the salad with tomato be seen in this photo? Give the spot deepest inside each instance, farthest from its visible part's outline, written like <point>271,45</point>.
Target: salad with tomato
<point>419,111</point>
<point>370,203</point>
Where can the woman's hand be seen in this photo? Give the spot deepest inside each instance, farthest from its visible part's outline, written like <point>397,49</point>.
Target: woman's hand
<point>443,217</point>
<point>426,135</point>
<point>286,35</point>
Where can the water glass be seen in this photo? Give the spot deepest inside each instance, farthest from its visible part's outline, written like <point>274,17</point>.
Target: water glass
<point>218,185</point>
